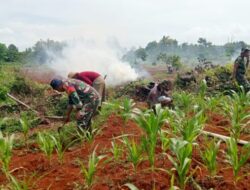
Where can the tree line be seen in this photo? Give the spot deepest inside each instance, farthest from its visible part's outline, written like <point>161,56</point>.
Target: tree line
<point>42,52</point>
<point>168,50</point>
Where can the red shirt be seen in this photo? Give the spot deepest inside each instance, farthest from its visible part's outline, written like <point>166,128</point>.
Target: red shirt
<point>87,77</point>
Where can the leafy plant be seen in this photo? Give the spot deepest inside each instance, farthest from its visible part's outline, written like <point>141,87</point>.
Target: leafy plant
<point>46,144</point>
<point>182,150</point>
<point>151,123</point>
<point>203,89</point>
<point>89,172</point>
<point>189,127</point>
<point>209,156</point>
<point>59,147</point>
<point>25,128</point>
<point>6,145</point>
<point>183,100</point>
<point>18,185</point>
<point>134,152</point>
<point>164,141</point>
<point>238,116</point>
<point>127,109</point>
<point>235,159</point>
<point>116,150</point>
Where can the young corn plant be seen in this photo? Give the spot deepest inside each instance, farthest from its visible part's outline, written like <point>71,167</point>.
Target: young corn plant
<point>116,150</point>
<point>183,100</point>
<point>165,141</point>
<point>242,97</point>
<point>25,129</point>
<point>89,172</point>
<point>183,151</point>
<point>59,147</point>
<point>6,145</point>
<point>151,123</point>
<point>238,117</point>
<point>189,127</point>
<point>17,185</point>
<point>134,151</point>
<point>235,159</point>
<point>127,105</point>
<point>46,144</point>
<point>209,156</point>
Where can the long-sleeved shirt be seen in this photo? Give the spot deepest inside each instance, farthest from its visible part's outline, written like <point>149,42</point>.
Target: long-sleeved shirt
<point>80,93</point>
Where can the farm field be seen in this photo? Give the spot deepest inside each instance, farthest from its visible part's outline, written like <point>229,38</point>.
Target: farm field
<point>130,148</point>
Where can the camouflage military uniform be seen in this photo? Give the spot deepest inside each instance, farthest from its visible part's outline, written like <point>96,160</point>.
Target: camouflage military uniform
<point>241,72</point>
<point>84,98</point>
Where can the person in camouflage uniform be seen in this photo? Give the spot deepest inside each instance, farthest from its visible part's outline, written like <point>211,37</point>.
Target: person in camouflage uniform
<point>240,67</point>
<point>82,97</point>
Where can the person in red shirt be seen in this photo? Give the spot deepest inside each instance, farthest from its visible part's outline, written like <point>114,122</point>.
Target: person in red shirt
<point>93,79</point>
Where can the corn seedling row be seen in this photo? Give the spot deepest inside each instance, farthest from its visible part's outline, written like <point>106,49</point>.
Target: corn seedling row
<point>89,171</point>
<point>235,159</point>
<point>116,150</point>
<point>134,152</point>
<point>25,129</point>
<point>46,144</point>
<point>209,156</point>
<point>183,151</point>
<point>6,145</point>
<point>151,123</point>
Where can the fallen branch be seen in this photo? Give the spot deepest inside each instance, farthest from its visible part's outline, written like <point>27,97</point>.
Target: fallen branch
<point>54,117</point>
<point>22,103</point>
<point>30,108</point>
<point>222,137</point>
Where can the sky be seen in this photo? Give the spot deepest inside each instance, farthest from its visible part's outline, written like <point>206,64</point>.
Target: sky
<point>129,22</point>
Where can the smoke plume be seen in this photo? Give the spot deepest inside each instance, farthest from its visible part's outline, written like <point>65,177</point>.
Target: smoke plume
<point>80,56</point>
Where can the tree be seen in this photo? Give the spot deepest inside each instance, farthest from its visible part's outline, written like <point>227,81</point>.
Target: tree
<point>151,45</point>
<point>175,61</point>
<point>141,53</point>
<point>12,53</point>
<point>3,52</point>
<point>229,50</point>
<point>167,41</point>
<point>203,42</point>
<point>162,57</point>
<point>42,50</point>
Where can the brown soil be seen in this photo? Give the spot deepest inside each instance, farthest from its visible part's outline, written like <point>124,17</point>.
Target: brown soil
<point>114,174</point>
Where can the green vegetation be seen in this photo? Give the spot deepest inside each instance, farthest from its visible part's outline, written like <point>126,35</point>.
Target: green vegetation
<point>209,156</point>
<point>235,158</point>
<point>89,171</point>
<point>46,144</point>
<point>151,123</point>
<point>235,109</point>
<point>6,145</point>
<point>134,152</point>
<point>25,128</point>
<point>128,105</point>
<point>168,48</point>
<point>116,150</point>
<point>183,151</point>
<point>59,147</point>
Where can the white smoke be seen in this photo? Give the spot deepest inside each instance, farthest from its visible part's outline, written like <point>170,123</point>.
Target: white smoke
<point>80,56</point>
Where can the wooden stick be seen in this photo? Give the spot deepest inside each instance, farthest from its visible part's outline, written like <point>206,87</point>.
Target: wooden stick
<point>22,103</point>
<point>54,117</point>
<point>222,137</point>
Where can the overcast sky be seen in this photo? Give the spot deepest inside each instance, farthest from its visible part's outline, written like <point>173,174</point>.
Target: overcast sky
<point>131,22</point>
